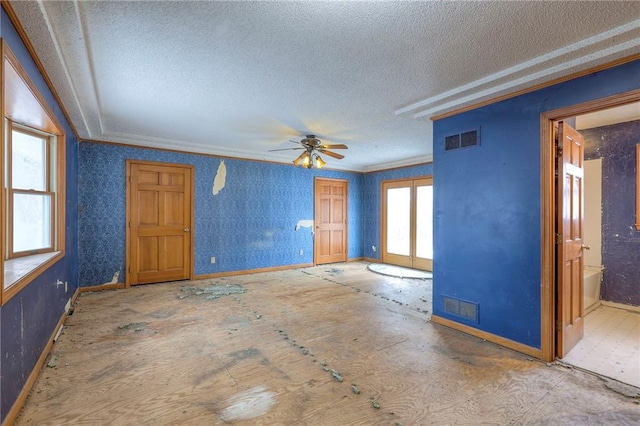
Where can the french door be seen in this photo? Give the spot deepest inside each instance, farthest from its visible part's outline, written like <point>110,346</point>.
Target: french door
<point>407,223</point>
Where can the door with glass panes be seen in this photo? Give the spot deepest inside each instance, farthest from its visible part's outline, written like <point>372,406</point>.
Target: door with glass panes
<point>407,223</point>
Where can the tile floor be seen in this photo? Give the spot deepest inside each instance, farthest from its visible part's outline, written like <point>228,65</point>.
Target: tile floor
<point>610,346</point>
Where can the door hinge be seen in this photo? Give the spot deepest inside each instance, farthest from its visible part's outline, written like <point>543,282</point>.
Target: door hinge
<point>558,325</point>
<point>558,238</point>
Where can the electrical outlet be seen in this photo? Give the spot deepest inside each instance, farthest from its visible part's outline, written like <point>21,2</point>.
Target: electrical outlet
<point>374,248</point>
<point>301,252</point>
<point>213,259</point>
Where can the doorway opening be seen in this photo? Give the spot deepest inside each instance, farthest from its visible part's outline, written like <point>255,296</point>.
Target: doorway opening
<point>608,345</point>
<point>407,223</point>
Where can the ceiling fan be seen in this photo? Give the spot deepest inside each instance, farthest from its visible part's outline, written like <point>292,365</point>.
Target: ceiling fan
<point>312,146</point>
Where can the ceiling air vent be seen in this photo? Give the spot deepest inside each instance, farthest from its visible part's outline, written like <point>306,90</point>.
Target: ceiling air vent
<point>462,140</point>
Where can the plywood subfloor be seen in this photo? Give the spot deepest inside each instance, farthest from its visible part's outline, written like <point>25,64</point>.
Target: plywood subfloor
<point>611,344</point>
<point>173,354</point>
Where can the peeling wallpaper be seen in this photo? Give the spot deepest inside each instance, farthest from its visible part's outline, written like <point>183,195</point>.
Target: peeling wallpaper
<point>249,224</point>
<point>616,145</point>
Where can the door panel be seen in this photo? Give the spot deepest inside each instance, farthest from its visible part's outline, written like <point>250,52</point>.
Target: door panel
<point>396,243</point>
<point>424,222</point>
<point>399,221</point>
<point>407,223</point>
<point>569,228</point>
<point>330,217</point>
<point>159,211</point>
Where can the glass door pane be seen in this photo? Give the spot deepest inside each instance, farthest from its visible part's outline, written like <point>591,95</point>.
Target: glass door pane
<point>399,221</point>
<point>424,222</point>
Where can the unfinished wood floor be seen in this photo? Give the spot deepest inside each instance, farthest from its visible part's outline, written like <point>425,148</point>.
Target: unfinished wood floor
<point>172,354</point>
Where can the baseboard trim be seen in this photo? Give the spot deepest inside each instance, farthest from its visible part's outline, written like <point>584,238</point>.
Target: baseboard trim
<point>620,306</point>
<point>101,287</point>
<point>251,271</point>
<point>371,260</point>
<point>13,413</point>
<point>75,296</point>
<point>355,259</point>
<point>502,341</point>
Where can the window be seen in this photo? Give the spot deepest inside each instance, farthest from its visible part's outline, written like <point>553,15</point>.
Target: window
<point>31,191</point>
<point>32,159</point>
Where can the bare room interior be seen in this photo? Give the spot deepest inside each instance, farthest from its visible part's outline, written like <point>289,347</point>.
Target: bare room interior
<point>320,213</point>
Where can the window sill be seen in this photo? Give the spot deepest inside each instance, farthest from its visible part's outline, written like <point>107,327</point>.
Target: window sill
<point>21,271</point>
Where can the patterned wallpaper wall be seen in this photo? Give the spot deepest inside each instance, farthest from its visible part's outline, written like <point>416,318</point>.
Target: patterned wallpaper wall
<point>249,224</point>
<point>616,145</point>
<point>372,198</point>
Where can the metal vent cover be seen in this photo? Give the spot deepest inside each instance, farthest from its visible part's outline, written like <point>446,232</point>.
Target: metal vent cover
<point>469,138</point>
<point>451,142</point>
<point>461,308</point>
<point>462,140</point>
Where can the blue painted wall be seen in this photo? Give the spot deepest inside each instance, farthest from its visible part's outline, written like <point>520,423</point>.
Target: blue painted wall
<point>616,145</point>
<point>29,318</point>
<point>487,205</point>
<point>249,224</point>
<point>372,196</point>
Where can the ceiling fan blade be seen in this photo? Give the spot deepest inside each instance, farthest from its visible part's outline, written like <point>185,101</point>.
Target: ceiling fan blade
<point>334,146</point>
<point>331,154</point>
<point>285,149</point>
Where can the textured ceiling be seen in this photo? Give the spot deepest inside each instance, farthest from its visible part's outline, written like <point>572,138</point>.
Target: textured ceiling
<point>241,78</point>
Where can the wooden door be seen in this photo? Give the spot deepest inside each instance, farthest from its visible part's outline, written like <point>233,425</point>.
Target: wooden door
<point>159,215</point>
<point>569,238</point>
<point>330,218</point>
<point>407,223</point>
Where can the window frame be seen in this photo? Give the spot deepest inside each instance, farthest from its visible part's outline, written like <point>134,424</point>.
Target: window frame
<point>12,192</point>
<point>24,107</point>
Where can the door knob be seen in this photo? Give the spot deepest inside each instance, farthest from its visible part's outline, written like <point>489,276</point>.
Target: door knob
<point>186,229</point>
<point>584,247</point>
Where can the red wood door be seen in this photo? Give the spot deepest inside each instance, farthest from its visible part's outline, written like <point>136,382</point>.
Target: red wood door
<point>569,231</point>
<point>159,217</point>
<point>330,218</point>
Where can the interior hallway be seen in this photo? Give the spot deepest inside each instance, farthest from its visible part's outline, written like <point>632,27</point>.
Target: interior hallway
<point>263,354</point>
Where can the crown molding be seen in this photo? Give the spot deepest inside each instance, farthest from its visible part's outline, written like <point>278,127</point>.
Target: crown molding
<point>467,93</point>
<point>413,161</point>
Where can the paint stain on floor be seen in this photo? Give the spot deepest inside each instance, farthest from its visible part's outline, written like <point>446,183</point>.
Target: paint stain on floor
<point>249,404</point>
<point>211,292</point>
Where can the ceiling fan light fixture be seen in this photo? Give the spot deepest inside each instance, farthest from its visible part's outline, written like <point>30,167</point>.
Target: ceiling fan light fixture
<point>320,163</point>
<point>302,160</point>
<point>306,160</point>
<point>310,157</point>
